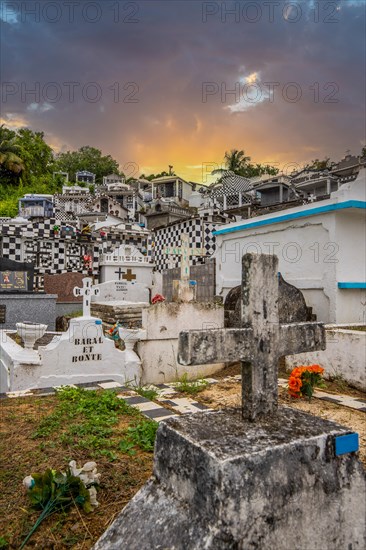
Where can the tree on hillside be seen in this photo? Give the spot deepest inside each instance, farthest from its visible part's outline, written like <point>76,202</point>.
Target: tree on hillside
<point>11,163</point>
<point>238,163</point>
<point>37,155</point>
<point>160,175</point>
<point>86,158</point>
<point>317,164</point>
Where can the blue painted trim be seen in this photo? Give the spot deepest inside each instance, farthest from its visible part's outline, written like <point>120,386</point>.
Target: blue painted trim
<point>295,215</point>
<point>351,285</point>
<point>346,444</point>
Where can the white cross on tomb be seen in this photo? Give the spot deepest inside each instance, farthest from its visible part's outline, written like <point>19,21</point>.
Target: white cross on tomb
<point>86,292</point>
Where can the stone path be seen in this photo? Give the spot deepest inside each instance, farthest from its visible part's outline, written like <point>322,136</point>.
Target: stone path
<point>178,405</point>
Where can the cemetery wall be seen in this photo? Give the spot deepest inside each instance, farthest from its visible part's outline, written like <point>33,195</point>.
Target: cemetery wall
<point>163,322</point>
<point>344,357</point>
<point>293,243</point>
<point>203,274</point>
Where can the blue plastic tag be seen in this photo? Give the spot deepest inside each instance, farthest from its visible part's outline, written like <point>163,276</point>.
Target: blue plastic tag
<point>346,444</point>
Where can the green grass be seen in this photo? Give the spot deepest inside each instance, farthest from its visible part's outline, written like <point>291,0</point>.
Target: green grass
<point>74,314</point>
<point>86,419</point>
<point>143,434</point>
<point>147,392</point>
<point>190,387</point>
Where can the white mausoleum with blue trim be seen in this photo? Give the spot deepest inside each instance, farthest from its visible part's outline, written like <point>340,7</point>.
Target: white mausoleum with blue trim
<point>321,250</point>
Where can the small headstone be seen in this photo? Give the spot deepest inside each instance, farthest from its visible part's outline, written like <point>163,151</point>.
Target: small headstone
<point>83,353</point>
<point>292,307</point>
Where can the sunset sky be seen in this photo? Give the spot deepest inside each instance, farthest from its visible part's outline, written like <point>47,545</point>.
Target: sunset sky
<point>155,83</point>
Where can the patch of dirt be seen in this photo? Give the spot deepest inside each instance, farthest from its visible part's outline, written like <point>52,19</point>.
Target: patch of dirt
<point>228,394</point>
<point>231,369</point>
<point>332,386</point>
<point>21,455</point>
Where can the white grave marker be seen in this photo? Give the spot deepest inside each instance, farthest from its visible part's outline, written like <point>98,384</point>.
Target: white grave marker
<point>182,289</point>
<point>86,292</point>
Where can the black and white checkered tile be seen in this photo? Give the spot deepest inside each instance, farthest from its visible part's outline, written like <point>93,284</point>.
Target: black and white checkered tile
<point>167,397</point>
<point>148,408</point>
<point>199,234</point>
<point>36,242</point>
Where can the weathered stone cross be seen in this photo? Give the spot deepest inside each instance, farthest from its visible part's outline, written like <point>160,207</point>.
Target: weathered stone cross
<point>260,342</point>
<point>185,252</point>
<point>86,292</point>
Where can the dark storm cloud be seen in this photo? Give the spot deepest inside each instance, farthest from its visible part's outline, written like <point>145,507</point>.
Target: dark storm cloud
<point>164,59</point>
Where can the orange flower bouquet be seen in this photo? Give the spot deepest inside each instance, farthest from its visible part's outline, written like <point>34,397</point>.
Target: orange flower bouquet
<point>303,380</point>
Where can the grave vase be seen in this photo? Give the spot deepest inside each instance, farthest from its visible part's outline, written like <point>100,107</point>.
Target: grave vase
<point>130,336</point>
<point>30,332</point>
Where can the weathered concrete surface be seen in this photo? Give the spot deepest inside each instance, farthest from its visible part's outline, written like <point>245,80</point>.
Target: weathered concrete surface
<point>112,312</point>
<point>222,483</point>
<point>163,322</point>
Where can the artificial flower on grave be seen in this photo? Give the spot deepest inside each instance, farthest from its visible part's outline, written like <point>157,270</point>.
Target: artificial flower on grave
<point>157,298</point>
<point>87,261</point>
<point>113,334</point>
<point>55,491</point>
<point>303,380</point>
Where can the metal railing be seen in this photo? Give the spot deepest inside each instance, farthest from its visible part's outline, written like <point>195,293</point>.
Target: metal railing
<point>123,259</point>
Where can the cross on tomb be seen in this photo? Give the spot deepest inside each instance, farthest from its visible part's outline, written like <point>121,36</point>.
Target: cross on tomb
<point>260,342</point>
<point>86,292</point>
<point>119,273</point>
<point>184,251</point>
<point>129,276</point>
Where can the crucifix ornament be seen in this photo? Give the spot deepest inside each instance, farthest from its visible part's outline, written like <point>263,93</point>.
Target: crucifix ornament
<point>129,276</point>
<point>260,342</point>
<point>86,292</point>
<point>119,272</point>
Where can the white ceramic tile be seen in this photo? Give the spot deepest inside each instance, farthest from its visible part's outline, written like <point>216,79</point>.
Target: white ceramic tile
<point>110,385</point>
<point>146,406</point>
